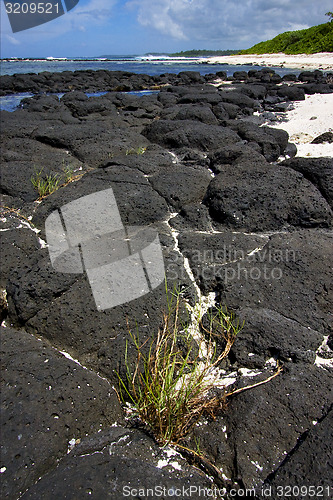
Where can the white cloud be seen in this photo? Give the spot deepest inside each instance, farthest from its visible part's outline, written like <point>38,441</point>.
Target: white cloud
<point>95,10</point>
<point>12,40</point>
<point>229,22</point>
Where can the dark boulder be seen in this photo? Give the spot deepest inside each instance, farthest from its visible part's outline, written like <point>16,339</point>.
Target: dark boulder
<point>238,98</point>
<point>242,196</point>
<point>267,333</point>
<point>18,242</point>
<point>209,253</point>
<point>311,458</point>
<point>181,185</point>
<point>307,76</point>
<point>226,111</point>
<point>119,463</point>
<point>272,142</point>
<point>200,97</point>
<point>193,217</point>
<point>317,88</point>
<point>291,92</point>
<point>289,77</point>
<point>319,171</point>
<point>201,113</point>
<point>290,275</point>
<point>93,142</point>
<point>263,424</point>
<point>326,137</point>
<point>189,77</point>
<point>229,155</point>
<point>188,133</point>
<point>240,75</point>
<point>48,402</point>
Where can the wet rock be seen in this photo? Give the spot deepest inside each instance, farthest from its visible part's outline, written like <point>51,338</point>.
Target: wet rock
<point>47,401</point>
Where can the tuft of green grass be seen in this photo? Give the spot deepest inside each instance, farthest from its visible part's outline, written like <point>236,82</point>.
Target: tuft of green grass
<point>45,185</point>
<point>69,173</point>
<point>138,151</point>
<point>169,389</point>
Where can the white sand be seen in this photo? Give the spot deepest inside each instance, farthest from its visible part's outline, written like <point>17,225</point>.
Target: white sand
<point>322,60</point>
<point>308,120</point>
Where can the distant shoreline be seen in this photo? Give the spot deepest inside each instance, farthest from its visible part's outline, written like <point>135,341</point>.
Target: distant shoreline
<point>321,60</point>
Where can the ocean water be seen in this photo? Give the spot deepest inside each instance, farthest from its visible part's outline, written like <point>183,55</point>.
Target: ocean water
<point>150,65</point>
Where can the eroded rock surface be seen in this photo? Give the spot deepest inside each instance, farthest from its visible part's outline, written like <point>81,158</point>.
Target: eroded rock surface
<point>193,165</point>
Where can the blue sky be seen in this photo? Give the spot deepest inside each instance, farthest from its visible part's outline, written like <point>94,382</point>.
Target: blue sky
<point>99,27</point>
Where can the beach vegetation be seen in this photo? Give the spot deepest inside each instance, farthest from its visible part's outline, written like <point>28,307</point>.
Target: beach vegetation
<point>204,53</point>
<point>45,184</point>
<point>136,151</point>
<point>330,15</point>
<point>170,388</point>
<point>308,41</point>
<point>69,174</point>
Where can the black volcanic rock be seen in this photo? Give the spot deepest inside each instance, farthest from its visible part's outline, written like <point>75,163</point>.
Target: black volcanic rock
<point>119,462</point>
<point>272,142</point>
<point>93,141</point>
<point>47,401</point>
<point>174,186</point>
<point>17,243</point>
<point>319,171</point>
<point>241,197</point>
<point>238,98</point>
<point>291,92</point>
<point>312,457</point>
<point>189,133</point>
<point>326,137</point>
<point>201,113</point>
<point>190,163</point>
<point>290,275</point>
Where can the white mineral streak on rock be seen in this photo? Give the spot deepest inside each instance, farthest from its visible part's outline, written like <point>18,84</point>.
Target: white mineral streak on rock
<point>324,355</point>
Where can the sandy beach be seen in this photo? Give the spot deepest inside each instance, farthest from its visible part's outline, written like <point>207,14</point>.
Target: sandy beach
<point>322,60</point>
<point>308,120</point>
